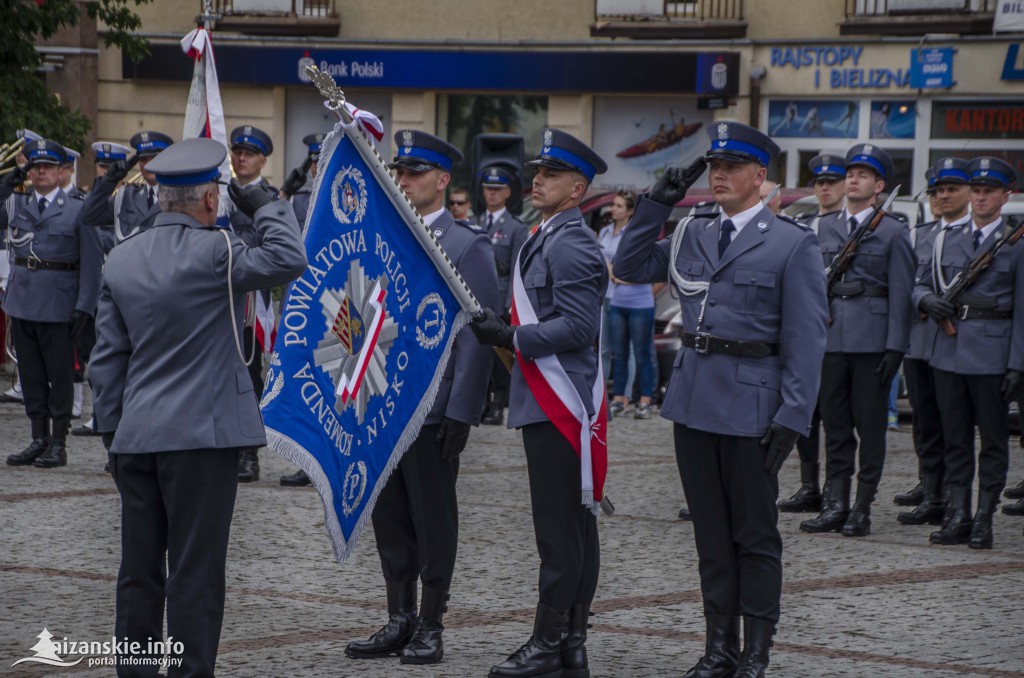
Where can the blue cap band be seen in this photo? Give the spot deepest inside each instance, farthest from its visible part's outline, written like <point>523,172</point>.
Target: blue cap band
<point>111,156</point>
<point>837,170</point>
<point>867,160</point>
<point>490,180</point>
<point>249,141</point>
<point>585,168</point>
<point>991,174</point>
<point>743,147</point>
<point>45,154</point>
<point>427,155</point>
<point>203,177</point>
<point>951,173</point>
<point>149,146</point>
<point>314,148</point>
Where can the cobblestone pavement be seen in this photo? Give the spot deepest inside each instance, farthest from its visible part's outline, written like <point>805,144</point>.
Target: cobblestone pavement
<point>887,605</point>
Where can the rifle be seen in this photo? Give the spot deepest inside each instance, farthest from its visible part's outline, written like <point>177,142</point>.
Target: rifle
<point>1013,232</point>
<point>842,262</point>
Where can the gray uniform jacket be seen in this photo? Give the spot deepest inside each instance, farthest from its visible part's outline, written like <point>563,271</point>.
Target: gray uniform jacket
<point>135,214</point>
<point>507,237</point>
<point>165,372</point>
<point>769,288</point>
<point>300,203</point>
<point>871,324</point>
<point>922,330</point>
<point>48,295</point>
<point>565,277</point>
<point>989,346</point>
<point>462,394</point>
<point>243,225</point>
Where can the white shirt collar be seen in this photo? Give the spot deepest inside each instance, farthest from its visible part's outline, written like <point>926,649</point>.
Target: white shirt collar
<point>743,218</point>
<point>962,221</point>
<point>496,215</point>
<point>258,178</point>
<point>429,219</point>
<point>859,216</point>
<point>987,230</point>
<point>49,197</point>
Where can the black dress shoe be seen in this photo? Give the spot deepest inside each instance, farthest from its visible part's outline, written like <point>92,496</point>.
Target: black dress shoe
<point>30,453</point>
<point>426,646</point>
<point>55,455</point>
<point>1015,492</point>
<point>541,656</point>
<point>684,513</point>
<point>956,523</point>
<point>835,508</point>
<point>1014,509</point>
<point>395,635</point>
<point>806,500</point>
<point>858,523</point>
<point>297,479</point>
<point>248,466</point>
<point>912,498</point>
<point>495,417</point>
<point>84,431</point>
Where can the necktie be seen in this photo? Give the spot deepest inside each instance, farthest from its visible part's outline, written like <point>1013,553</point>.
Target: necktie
<point>852,226</point>
<point>149,197</point>
<point>490,221</point>
<point>42,206</point>
<point>977,238</point>
<point>725,237</point>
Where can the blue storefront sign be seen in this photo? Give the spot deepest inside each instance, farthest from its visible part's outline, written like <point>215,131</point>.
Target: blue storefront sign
<point>612,71</point>
<point>932,68</point>
<point>1013,66</point>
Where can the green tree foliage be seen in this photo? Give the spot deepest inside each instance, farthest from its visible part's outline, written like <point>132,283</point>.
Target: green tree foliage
<point>28,102</point>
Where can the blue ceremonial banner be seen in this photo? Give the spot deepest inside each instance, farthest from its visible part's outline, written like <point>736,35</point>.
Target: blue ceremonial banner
<point>364,336</point>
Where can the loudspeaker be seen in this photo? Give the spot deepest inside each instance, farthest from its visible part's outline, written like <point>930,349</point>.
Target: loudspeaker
<point>506,151</point>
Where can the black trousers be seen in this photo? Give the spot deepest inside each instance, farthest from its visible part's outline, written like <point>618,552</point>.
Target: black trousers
<point>566,530</point>
<point>967,401</point>
<point>501,381</point>
<point>416,519</point>
<point>83,349</point>
<point>809,446</point>
<point>732,501</point>
<point>854,404</point>
<point>46,367</point>
<point>175,520</point>
<point>927,425</point>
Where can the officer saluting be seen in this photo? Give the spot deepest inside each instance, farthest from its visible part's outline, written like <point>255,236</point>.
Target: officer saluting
<point>563,277</point>
<point>416,518</point>
<point>744,385</point>
<point>51,294</point>
<point>152,371</point>
<point>978,370</point>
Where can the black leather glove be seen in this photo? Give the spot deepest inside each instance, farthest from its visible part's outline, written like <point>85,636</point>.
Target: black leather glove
<point>1012,382</point>
<point>296,180</point>
<point>13,179</point>
<point>248,199</point>
<point>78,320</point>
<point>673,184</point>
<point>119,169</point>
<point>780,441</point>
<point>889,366</point>
<point>454,434</point>
<point>490,329</point>
<point>936,307</point>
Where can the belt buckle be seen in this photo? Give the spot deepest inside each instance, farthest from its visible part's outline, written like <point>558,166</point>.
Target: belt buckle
<point>962,315</point>
<point>33,263</point>
<point>702,343</point>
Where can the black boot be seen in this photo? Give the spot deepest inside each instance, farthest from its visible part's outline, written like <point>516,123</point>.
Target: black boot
<point>297,479</point>
<point>858,523</point>
<point>912,498</point>
<point>57,453</point>
<point>757,641</point>
<point>1014,509</point>
<point>721,649</point>
<point>574,645</point>
<point>808,498</point>
<point>425,646</point>
<point>835,508</point>
<point>931,508</point>
<point>495,416</point>
<point>1015,492</point>
<point>248,466</point>
<point>541,656</point>
<point>981,528</point>
<point>394,635</point>
<point>956,523</point>
<point>40,441</point>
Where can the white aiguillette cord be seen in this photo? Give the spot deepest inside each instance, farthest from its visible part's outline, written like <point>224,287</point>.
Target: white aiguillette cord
<point>231,306</point>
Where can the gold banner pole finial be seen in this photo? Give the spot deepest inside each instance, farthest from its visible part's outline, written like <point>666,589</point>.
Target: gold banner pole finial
<point>330,91</point>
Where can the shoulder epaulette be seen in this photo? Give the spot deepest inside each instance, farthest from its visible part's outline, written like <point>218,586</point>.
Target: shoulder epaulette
<point>926,224</point>
<point>470,226</point>
<point>790,220</point>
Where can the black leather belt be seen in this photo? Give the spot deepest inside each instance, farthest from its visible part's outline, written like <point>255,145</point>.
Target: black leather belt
<point>845,290</point>
<point>705,343</point>
<point>973,313</point>
<point>34,264</point>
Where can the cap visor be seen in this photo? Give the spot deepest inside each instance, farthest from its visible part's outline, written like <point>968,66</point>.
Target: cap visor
<point>553,164</point>
<point>731,156</point>
<point>248,147</point>
<point>414,165</point>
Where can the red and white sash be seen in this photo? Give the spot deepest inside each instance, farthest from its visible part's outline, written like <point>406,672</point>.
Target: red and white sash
<point>561,402</point>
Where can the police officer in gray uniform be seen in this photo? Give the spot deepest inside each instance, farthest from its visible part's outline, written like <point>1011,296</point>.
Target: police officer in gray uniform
<point>416,518</point>
<point>948,180</point>
<point>868,335</point>
<point>152,371</point>
<point>295,186</point>
<point>565,277</point>
<point>133,208</point>
<point>744,384</point>
<point>978,370</point>
<point>507,233</point>
<point>51,293</point>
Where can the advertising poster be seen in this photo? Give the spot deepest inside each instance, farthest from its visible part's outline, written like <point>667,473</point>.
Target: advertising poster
<point>811,118</point>
<point>640,136</point>
<point>893,119</point>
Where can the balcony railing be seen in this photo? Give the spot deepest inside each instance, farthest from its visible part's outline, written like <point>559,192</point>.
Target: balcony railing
<point>917,17</point>
<point>278,17</point>
<point>665,19</point>
<point>878,8</point>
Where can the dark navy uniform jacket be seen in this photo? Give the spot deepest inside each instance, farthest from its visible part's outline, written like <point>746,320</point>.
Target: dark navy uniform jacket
<point>768,288</point>
<point>565,277</point>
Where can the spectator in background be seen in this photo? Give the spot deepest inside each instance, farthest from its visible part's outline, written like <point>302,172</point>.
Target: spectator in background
<point>775,204</point>
<point>458,203</point>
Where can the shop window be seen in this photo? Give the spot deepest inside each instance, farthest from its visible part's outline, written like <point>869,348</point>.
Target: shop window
<point>809,118</point>
<point>893,119</point>
<point>977,120</point>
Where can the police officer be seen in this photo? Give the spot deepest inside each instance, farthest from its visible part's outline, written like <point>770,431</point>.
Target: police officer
<point>564,277</point>
<point>507,233</point>
<point>948,182</point>
<point>829,171</point>
<point>754,308</point>
<point>50,296</point>
<point>978,370</point>
<point>134,207</point>
<point>250,147</point>
<point>868,335</point>
<point>178,483</point>
<point>67,174</point>
<point>416,518</point>
<point>293,190</point>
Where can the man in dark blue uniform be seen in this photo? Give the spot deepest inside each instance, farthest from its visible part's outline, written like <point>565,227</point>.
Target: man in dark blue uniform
<point>51,294</point>
<point>296,188</point>
<point>745,382</point>
<point>416,518</point>
<point>564,277</point>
